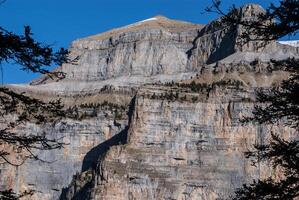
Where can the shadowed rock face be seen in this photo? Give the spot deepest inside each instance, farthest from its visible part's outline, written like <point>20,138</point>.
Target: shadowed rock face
<point>48,179</point>
<point>183,150</point>
<point>220,43</point>
<point>168,142</point>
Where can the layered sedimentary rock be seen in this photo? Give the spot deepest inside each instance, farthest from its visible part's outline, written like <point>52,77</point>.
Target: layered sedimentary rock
<point>219,42</point>
<point>146,48</point>
<point>141,135</point>
<point>183,149</point>
<point>80,136</point>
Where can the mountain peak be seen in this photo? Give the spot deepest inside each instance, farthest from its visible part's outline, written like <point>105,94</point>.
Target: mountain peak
<point>155,18</point>
<point>253,6</point>
<point>251,10</point>
<point>158,21</point>
<point>161,17</point>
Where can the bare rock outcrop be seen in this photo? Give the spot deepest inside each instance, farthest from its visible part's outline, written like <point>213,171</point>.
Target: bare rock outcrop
<point>183,149</point>
<point>142,131</point>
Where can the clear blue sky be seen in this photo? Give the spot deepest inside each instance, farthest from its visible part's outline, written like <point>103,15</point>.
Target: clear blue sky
<point>59,22</point>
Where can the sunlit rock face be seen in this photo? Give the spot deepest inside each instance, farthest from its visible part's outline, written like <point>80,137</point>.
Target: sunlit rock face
<point>146,48</point>
<point>156,46</point>
<point>190,149</point>
<point>137,138</point>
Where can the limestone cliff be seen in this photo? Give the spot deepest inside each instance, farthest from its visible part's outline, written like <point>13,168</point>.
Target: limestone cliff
<point>187,148</point>
<point>144,130</point>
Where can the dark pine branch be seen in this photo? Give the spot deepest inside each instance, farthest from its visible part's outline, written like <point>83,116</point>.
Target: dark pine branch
<point>272,24</point>
<point>27,109</point>
<point>35,57</point>
<point>280,104</point>
<point>11,195</point>
<point>29,54</point>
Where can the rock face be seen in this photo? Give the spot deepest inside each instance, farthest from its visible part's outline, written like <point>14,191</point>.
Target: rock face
<point>146,48</point>
<point>182,150</point>
<point>78,155</point>
<point>137,137</point>
<point>217,42</point>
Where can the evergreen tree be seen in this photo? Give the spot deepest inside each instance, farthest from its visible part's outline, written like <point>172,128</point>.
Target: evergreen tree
<point>32,56</point>
<point>282,103</point>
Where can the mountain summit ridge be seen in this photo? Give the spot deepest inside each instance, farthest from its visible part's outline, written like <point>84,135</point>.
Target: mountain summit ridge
<point>143,52</point>
<point>157,21</point>
<point>155,114</point>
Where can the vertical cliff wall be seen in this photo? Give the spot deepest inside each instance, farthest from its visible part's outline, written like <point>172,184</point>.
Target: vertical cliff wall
<point>47,179</point>
<point>189,147</point>
<point>144,130</point>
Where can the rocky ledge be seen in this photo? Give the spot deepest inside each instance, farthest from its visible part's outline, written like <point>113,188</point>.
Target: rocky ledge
<point>158,105</point>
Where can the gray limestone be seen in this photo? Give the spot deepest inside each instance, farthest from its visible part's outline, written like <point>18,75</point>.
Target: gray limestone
<point>189,146</point>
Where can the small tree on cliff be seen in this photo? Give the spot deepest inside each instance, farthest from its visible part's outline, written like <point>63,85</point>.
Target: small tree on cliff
<point>34,57</point>
<point>282,103</point>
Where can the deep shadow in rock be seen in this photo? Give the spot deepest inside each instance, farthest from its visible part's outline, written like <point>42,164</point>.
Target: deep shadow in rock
<point>131,110</point>
<point>226,47</point>
<point>82,183</point>
<point>82,194</point>
<point>80,187</point>
<point>91,159</point>
<point>74,193</point>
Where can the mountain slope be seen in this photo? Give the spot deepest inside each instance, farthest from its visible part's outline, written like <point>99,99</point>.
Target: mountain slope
<point>158,106</point>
